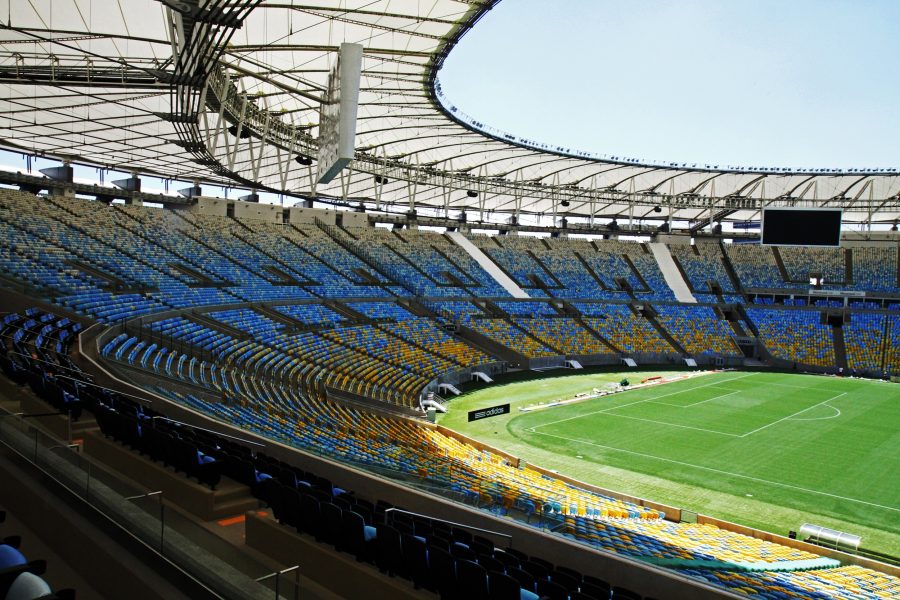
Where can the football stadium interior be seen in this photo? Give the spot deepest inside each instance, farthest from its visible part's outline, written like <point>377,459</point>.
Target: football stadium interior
<point>465,365</point>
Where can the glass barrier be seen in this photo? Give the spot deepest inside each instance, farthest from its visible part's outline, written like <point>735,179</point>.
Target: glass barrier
<point>185,542</point>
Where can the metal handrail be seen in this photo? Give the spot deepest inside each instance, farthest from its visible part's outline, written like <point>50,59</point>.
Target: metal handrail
<point>454,524</point>
<point>277,575</point>
<point>81,381</point>
<point>162,513</point>
<point>233,437</point>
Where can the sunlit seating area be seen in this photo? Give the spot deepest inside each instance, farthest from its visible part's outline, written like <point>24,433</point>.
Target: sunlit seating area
<point>828,264</point>
<point>865,342</point>
<point>702,263</point>
<point>755,266</point>
<point>698,329</point>
<point>875,269</point>
<point>627,331</point>
<point>795,335</point>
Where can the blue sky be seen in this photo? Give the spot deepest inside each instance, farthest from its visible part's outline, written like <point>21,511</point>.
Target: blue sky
<point>789,83</point>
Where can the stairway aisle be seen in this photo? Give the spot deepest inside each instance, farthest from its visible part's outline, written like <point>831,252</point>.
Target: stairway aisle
<point>671,273</point>
<point>488,265</point>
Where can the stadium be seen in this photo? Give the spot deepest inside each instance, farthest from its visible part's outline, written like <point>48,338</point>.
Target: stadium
<point>413,355</point>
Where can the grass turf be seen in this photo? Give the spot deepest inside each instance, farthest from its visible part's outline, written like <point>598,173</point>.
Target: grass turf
<point>768,450</point>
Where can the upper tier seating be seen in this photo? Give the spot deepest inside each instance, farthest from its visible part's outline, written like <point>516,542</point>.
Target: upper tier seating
<point>755,266</point>
<point>795,335</point>
<point>698,330</point>
<point>630,333</point>
<point>828,263</point>
<point>864,341</point>
<point>703,263</point>
<point>875,269</point>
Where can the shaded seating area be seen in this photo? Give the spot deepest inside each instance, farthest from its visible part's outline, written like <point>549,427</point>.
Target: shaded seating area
<point>20,578</point>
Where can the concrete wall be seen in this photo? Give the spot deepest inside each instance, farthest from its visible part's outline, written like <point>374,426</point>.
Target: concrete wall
<point>355,219</point>
<point>299,215</point>
<point>210,206</point>
<point>252,211</point>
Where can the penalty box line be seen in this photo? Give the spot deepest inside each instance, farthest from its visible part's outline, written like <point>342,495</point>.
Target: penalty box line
<point>719,471</point>
<point>799,412</point>
<point>606,410</point>
<point>695,403</point>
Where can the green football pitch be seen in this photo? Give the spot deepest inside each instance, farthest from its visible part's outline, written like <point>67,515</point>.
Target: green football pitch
<point>768,450</point>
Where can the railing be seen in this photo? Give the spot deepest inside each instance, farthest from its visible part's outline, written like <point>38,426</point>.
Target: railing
<point>179,540</point>
<point>505,536</point>
<point>276,576</point>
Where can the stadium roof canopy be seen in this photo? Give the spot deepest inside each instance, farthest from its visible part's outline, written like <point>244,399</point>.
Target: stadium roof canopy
<point>228,91</point>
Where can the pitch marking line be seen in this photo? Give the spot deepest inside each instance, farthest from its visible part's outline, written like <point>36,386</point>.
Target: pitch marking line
<point>834,416</point>
<point>695,403</point>
<point>799,412</point>
<point>719,471</point>
<point>737,435</point>
<point>603,410</point>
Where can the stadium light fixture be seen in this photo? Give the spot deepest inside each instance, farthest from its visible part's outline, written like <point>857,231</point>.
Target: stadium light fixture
<point>471,193</point>
<point>303,159</point>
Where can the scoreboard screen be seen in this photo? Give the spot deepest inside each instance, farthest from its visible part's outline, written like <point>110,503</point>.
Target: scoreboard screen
<point>801,227</point>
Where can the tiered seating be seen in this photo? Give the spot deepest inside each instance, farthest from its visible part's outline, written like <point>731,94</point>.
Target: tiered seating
<point>422,332</point>
<point>316,256</point>
<point>436,254</point>
<point>630,333</point>
<point>563,333</point>
<point>800,263</point>
<point>20,579</point>
<point>334,266</point>
<point>680,543</point>
<point>515,261</point>
<point>381,310</point>
<point>795,335</point>
<point>392,349</point>
<point>698,329</point>
<point>454,311</point>
<point>375,244</point>
<point>509,335</point>
<point>864,341</point>
<point>892,351</point>
<point>703,266</point>
<point>222,235</point>
<point>245,319</point>
<point>345,433</point>
<point>755,266</point>
<point>527,309</point>
<point>562,258</point>
<point>875,269</point>
<point>310,313</point>
<point>842,583</point>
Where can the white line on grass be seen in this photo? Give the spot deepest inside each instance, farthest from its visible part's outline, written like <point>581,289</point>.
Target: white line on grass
<point>719,471</point>
<point>799,412</point>
<point>834,416</point>
<point>675,425</point>
<point>603,410</point>
<point>694,403</point>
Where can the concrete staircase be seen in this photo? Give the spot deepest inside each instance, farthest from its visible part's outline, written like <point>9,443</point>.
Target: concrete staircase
<point>672,273</point>
<point>488,265</point>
